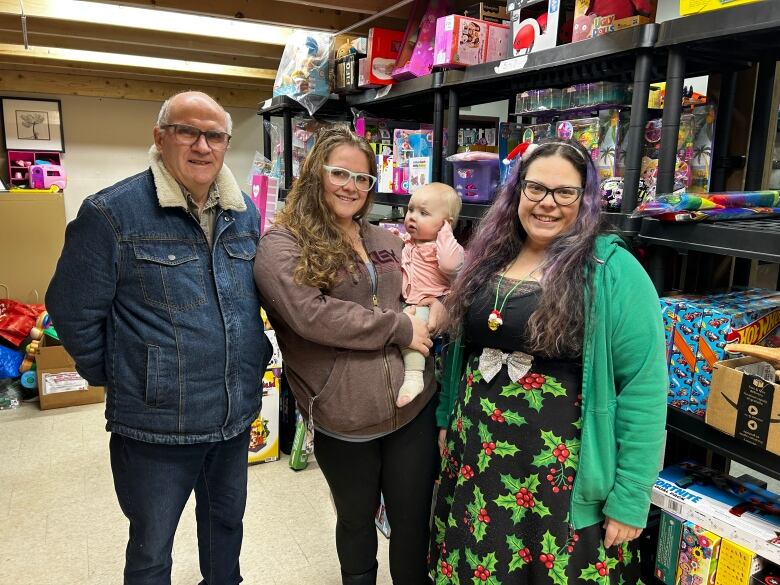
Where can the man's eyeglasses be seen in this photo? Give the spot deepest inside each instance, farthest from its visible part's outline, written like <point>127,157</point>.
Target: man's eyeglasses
<point>562,195</point>
<point>340,177</point>
<point>189,135</point>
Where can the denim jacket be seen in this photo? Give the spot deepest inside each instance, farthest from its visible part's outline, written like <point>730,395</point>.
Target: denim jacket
<point>171,327</point>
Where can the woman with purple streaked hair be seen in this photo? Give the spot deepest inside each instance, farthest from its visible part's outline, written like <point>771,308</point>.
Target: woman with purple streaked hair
<point>553,406</point>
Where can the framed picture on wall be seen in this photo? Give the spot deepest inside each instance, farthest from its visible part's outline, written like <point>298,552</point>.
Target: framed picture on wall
<point>30,124</point>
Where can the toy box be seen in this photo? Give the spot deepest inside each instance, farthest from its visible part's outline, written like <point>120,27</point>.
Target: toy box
<point>668,549</point>
<point>682,362</point>
<point>768,575</point>
<point>538,100</point>
<point>408,144</point>
<point>652,149</point>
<point>701,158</point>
<point>688,7</point>
<point>736,564</point>
<point>264,431</point>
<point>346,78</point>
<point>734,509</point>
<point>463,41</point>
<point>384,46</point>
<point>416,55</point>
<point>593,18</point>
<point>698,560</point>
<point>59,384</point>
<point>744,405</point>
<point>536,24</point>
<point>586,131</point>
<point>609,127</point>
<point>496,13</point>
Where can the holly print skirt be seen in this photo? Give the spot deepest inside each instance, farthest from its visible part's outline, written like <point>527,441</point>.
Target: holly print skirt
<point>501,514</point>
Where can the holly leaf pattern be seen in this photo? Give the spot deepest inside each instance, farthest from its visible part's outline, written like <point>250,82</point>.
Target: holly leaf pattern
<point>560,561</point>
<point>474,508</point>
<point>628,556</point>
<point>509,500</point>
<point>484,434</point>
<point>452,561</point>
<point>553,387</point>
<point>591,573</point>
<point>513,418</point>
<point>439,529</point>
<point>515,545</point>
<point>504,448</point>
<point>511,390</point>
<point>488,562</point>
<point>488,407</point>
<point>547,456</point>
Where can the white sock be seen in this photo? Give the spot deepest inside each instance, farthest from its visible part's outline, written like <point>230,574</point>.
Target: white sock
<point>412,387</point>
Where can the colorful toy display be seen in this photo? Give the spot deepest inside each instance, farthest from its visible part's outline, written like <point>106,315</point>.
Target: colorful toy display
<point>416,56</point>
<point>304,70</point>
<point>384,46</point>
<point>698,560</point>
<point>463,41</point>
<point>594,18</point>
<point>264,432</point>
<point>652,150</point>
<point>686,206</point>
<point>536,24</point>
<point>408,145</point>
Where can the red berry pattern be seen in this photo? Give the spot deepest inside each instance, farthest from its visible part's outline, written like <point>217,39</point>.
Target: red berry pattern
<point>498,416</point>
<point>561,453</point>
<point>481,573</point>
<point>557,477</point>
<point>602,568</point>
<point>483,516</point>
<point>570,546</point>
<point>446,569</point>
<point>532,381</point>
<point>525,554</point>
<point>525,498</point>
<point>467,472</point>
<point>547,560</point>
<point>488,448</point>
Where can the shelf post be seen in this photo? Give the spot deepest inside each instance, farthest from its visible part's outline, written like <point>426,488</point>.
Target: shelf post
<point>670,125</point>
<point>438,132</point>
<point>720,146</point>
<point>287,150</point>
<point>762,121</point>
<point>267,137</point>
<point>453,120</point>
<point>636,131</point>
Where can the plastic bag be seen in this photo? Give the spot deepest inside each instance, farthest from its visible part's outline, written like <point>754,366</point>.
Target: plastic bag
<point>305,69</point>
<point>472,155</point>
<point>17,319</point>
<point>10,360</point>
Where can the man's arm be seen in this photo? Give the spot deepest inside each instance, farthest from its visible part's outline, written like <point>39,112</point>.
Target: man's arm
<point>81,293</point>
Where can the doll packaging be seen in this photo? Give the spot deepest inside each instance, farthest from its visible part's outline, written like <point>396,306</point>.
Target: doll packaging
<point>463,41</point>
<point>593,18</point>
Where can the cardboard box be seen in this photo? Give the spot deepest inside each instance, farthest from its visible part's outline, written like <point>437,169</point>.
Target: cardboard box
<point>744,406</point>
<point>590,20</point>
<point>346,79</point>
<point>264,435</point>
<point>59,384</point>
<point>534,25</point>
<point>496,13</point>
<point>384,45</point>
<point>688,7</point>
<point>699,550</point>
<point>668,549</point>
<point>736,564</point>
<point>462,41</point>
<point>734,509</point>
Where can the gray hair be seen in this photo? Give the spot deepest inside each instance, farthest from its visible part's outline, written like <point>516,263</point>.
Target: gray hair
<point>162,117</point>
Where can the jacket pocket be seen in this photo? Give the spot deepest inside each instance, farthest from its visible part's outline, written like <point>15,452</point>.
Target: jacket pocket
<point>170,274</point>
<point>152,375</point>
<point>598,457</point>
<point>240,259</point>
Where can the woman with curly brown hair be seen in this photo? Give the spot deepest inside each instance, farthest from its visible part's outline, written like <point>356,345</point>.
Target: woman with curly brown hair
<point>331,285</point>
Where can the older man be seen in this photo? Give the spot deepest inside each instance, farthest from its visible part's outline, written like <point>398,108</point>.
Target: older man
<point>154,298</point>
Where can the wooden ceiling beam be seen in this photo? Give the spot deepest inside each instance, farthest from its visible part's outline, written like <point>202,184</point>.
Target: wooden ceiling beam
<point>117,88</point>
<point>278,12</point>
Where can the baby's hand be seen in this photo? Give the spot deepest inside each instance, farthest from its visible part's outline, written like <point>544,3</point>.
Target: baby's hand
<point>395,231</point>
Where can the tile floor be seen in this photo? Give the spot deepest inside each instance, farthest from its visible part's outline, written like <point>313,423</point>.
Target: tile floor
<point>60,522</point>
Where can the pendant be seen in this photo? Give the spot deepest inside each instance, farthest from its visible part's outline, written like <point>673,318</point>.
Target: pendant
<point>494,320</point>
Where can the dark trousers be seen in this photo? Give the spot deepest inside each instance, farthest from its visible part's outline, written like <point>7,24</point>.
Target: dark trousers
<point>153,483</point>
<point>403,466</point>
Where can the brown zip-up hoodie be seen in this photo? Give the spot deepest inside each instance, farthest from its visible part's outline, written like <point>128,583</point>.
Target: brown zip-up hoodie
<point>342,348</point>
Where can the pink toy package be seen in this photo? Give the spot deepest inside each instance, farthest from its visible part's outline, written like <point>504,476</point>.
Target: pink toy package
<point>416,58</point>
<point>498,43</point>
<point>463,41</point>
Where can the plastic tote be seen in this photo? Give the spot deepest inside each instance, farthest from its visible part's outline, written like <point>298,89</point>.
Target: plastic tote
<point>475,176</point>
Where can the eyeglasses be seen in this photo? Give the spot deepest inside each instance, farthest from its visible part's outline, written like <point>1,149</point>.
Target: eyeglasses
<point>562,195</point>
<point>340,177</point>
<point>189,135</point>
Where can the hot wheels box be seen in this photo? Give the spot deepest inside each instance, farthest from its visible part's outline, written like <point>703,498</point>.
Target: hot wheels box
<point>736,510</point>
<point>698,560</point>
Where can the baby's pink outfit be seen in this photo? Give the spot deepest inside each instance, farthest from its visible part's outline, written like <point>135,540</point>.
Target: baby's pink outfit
<point>430,267</point>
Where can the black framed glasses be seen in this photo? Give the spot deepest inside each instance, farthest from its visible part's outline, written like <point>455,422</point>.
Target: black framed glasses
<point>188,135</point>
<point>561,195</point>
<point>340,177</point>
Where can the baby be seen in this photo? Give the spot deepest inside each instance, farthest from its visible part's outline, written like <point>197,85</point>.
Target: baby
<point>430,261</point>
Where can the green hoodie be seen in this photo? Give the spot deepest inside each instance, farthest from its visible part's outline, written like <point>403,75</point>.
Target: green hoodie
<point>624,381</point>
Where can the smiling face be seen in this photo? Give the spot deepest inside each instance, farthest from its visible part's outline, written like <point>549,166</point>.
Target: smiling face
<point>193,166</point>
<point>545,220</point>
<point>346,201</point>
<point>426,214</point>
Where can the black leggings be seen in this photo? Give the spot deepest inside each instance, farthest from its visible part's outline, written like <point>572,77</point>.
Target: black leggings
<point>403,465</point>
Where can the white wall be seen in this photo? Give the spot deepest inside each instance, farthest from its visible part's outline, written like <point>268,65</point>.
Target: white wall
<point>107,140</point>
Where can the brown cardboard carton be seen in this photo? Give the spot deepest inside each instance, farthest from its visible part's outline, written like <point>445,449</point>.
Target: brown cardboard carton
<point>744,406</point>
<point>57,371</point>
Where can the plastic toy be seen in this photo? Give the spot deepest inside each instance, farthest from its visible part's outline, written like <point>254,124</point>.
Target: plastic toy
<point>47,176</point>
<point>304,70</point>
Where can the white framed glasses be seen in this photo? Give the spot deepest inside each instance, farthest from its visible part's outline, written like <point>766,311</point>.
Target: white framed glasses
<point>340,177</point>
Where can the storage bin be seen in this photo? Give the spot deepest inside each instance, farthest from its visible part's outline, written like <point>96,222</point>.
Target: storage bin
<point>476,180</point>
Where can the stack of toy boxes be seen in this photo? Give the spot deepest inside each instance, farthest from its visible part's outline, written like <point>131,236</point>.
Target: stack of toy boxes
<point>379,136</point>
<point>736,511</point>
<point>697,331</point>
<point>462,41</point>
<point>412,151</point>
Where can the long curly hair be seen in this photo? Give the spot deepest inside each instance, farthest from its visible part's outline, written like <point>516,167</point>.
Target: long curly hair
<point>325,249</point>
<point>556,326</point>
